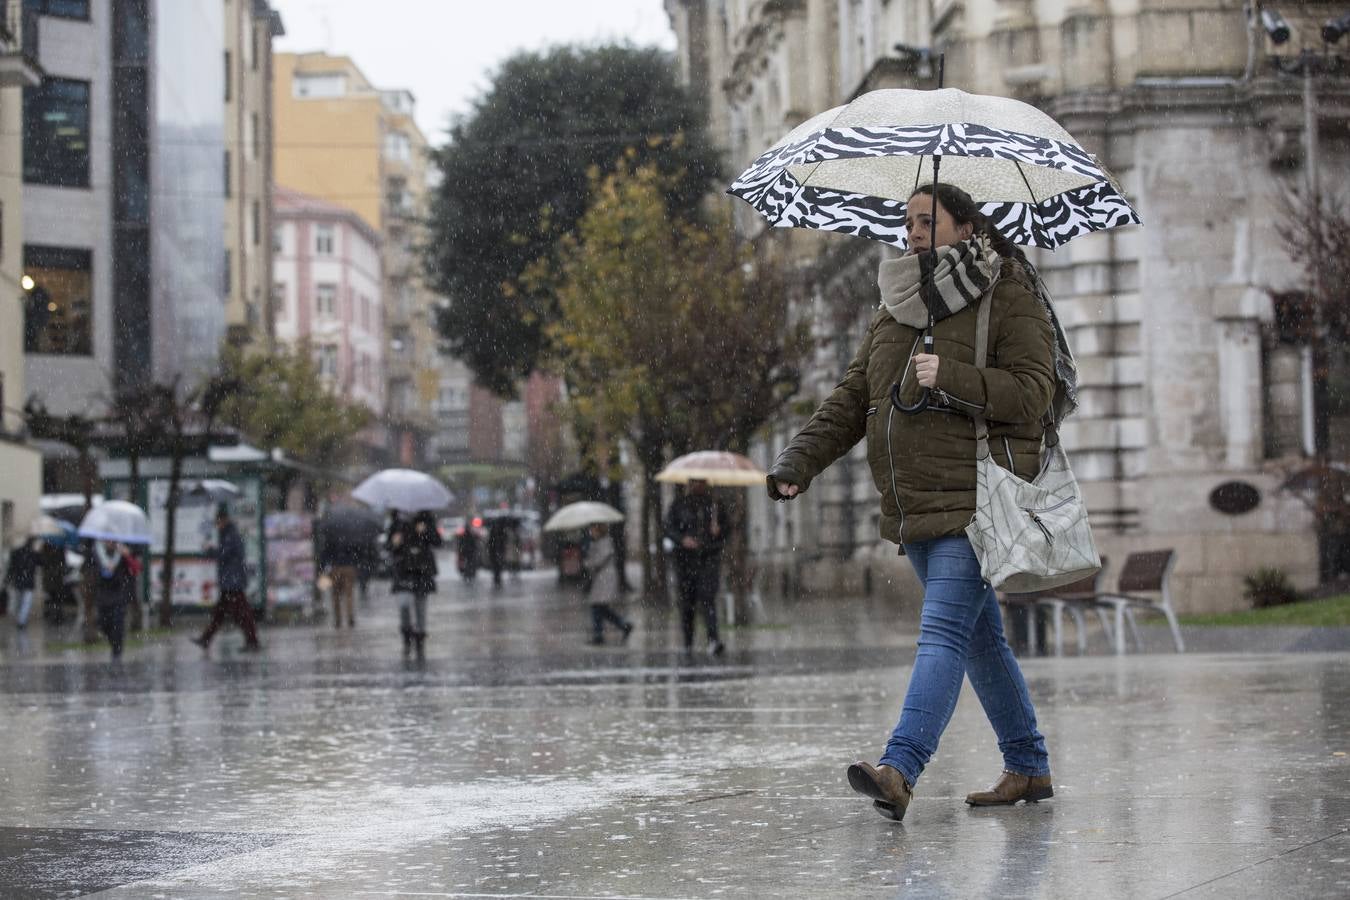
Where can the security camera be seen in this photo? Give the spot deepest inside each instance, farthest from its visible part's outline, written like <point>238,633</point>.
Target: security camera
<point>1335,29</point>
<point>1275,26</point>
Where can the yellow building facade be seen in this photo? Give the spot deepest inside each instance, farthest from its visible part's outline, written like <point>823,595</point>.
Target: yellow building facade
<point>338,137</point>
<point>20,463</point>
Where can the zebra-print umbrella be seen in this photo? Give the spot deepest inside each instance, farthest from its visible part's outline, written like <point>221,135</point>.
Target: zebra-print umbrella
<point>851,169</point>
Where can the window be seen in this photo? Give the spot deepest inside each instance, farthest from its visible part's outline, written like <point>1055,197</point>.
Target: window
<point>257,222</point>
<point>227,174</point>
<point>319,85</point>
<point>397,146</point>
<point>255,137</point>
<point>228,273</point>
<point>228,79</point>
<point>63,9</point>
<point>327,360</point>
<point>254,31</point>
<point>323,240</point>
<point>278,240</point>
<point>56,133</point>
<point>396,195</point>
<point>279,301</point>
<point>325,300</point>
<point>59,309</point>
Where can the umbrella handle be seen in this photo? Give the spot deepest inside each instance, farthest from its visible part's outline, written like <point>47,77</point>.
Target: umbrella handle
<point>923,402</point>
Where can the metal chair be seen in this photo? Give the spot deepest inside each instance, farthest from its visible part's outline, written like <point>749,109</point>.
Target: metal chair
<point>1149,572</point>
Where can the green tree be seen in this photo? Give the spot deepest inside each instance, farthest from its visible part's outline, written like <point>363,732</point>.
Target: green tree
<point>282,402</point>
<point>515,177</point>
<point>671,336</point>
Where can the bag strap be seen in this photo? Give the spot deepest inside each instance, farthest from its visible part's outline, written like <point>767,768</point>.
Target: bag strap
<point>981,356</point>
<point>1050,439</point>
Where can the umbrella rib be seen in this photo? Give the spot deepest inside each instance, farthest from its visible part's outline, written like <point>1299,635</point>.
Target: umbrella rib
<point>1035,204</point>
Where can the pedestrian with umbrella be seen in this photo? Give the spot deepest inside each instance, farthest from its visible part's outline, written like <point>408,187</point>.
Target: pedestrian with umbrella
<point>231,584</point>
<point>699,526</point>
<point>21,575</point>
<point>412,543</point>
<point>347,539</point>
<point>601,578</point>
<point>964,360</point>
<point>114,527</point>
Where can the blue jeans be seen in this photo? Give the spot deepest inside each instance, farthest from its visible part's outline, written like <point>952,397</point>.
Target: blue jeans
<point>961,633</point>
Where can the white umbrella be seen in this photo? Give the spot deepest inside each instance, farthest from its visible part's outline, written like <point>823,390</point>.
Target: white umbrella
<point>117,520</point>
<point>718,468</point>
<point>45,526</point>
<point>405,490</point>
<point>581,515</point>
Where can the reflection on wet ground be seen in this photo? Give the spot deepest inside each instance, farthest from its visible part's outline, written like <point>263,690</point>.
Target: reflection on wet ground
<point>518,761</point>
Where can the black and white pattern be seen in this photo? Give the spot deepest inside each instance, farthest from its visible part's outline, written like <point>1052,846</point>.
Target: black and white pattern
<point>1046,222</point>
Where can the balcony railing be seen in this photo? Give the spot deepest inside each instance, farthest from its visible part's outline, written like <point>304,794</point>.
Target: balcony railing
<point>19,49</point>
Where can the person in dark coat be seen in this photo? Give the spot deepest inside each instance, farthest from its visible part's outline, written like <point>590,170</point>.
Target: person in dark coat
<point>231,583</point>
<point>342,560</point>
<point>698,526</point>
<point>501,536</point>
<point>118,570</point>
<point>21,575</point>
<point>413,544</point>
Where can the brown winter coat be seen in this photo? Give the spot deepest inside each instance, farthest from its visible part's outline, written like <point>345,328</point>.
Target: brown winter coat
<point>924,465</point>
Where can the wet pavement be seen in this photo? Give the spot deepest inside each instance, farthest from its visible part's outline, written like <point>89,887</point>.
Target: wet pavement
<point>519,761</point>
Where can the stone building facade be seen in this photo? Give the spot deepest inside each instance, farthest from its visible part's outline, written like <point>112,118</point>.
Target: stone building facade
<point>1189,380</point>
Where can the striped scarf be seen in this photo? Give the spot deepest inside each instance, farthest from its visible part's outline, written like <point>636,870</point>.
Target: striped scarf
<point>913,286</point>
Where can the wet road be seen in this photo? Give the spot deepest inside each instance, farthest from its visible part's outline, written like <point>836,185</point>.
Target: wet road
<point>518,761</point>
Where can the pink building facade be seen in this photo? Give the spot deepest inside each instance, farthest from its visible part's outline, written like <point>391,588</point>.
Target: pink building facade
<point>326,271</point>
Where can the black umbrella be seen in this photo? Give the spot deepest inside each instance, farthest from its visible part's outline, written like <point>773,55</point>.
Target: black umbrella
<point>350,526</point>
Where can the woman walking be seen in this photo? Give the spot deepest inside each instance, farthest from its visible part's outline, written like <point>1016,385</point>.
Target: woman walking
<point>924,467</point>
<point>118,570</point>
<point>602,585</point>
<point>413,544</point>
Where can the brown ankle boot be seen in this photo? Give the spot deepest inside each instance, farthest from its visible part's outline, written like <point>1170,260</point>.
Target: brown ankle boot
<point>888,789</point>
<point>1011,788</point>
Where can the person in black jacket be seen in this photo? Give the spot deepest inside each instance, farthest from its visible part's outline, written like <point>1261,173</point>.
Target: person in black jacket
<point>231,583</point>
<point>698,526</point>
<point>413,545</point>
<point>118,570</point>
<point>21,574</point>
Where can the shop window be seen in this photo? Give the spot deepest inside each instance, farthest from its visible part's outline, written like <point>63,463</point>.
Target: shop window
<point>59,307</point>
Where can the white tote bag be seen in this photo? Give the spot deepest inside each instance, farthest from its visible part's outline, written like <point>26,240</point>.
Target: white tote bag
<point>1034,535</point>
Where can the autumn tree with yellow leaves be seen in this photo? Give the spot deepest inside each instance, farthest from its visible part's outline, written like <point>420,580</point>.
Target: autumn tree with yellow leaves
<point>670,337</point>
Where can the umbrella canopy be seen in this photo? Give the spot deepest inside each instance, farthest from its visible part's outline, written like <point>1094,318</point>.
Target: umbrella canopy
<point>717,467</point>
<point>211,490</point>
<point>405,490</point>
<point>117,520</point>
<point>45,526</point>
<point>582,515</point>
<point>852,168</point>
<point>350,526</point>
<point>68,536</point>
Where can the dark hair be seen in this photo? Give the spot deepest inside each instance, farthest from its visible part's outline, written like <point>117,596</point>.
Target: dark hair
<point>966,211</point>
